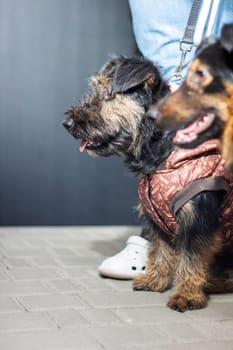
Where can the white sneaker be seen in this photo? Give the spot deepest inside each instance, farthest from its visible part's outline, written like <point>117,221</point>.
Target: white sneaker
<point>128,262</point>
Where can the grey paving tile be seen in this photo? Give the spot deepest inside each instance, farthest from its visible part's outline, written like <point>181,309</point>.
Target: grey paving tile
<point>50,302</point>
<point>94,284</point>
<point>12,242</point>
<point>63,242</point>
<point>78,272</point>
<point>25,321</point>
<point>118,285</point>
<point>78,339</point>
<point>64,286</point>
<point>68,318</point>
<point>101,317</point>
<point>36,242</point>
<point>190,346</point>
<point>123,299</point>
<point>17,262</point>
<point>183,333</point>
<point>37,232</point>
<point>217,330</point>
<point>219,298</point>
<point>61,251</point>
<point>32,273</point>
<point>150,315</point>
<point>8,305</point>
<point>8,288</point>
<point>225,345</point>
<point>45,262</point>
<point>130,337</point>
<point>214,311</point>
<point>26,252</point>
<point>80,261</point>
<point>3,274</point>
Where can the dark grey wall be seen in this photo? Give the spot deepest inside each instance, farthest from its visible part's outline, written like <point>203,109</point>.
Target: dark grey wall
<point>48,49</point>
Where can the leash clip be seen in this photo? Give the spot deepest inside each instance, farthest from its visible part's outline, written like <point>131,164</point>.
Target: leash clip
<point>184,48</point>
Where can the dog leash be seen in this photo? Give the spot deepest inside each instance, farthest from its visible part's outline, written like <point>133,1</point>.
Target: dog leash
<point>202,15</point>
<point>186,43</point>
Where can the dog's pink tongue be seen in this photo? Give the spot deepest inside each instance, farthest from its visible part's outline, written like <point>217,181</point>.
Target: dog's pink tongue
<point>184,136</point>
<point>191,132</point>
<point>83,145</point>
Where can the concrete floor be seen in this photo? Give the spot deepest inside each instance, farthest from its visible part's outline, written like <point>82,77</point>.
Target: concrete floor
<point>51,298</point>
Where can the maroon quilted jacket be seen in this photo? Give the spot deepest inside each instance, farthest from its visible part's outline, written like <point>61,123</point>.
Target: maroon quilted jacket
<point>186,173</point>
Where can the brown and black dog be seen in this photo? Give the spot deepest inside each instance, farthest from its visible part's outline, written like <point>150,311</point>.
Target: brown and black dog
<point>202,108</point>
<point>181,194</point>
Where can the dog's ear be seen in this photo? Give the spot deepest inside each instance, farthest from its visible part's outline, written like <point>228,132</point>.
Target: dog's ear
<point>226,38</point>
<point>133,74</point>
<point>210,40</point>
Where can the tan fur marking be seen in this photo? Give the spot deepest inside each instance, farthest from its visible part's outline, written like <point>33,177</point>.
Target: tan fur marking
<point>150,79</point>
<point>124,112</point>
<point>198,76</point>
<point>140,210</point>
<point>191,277</point>
<point>226,114</point>
<point>159,270</point>
<point>227,142</point>
<point>100,84</point>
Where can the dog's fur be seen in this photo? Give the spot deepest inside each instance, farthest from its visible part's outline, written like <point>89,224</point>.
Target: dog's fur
<point>202,108</point>
<point>111,120</point>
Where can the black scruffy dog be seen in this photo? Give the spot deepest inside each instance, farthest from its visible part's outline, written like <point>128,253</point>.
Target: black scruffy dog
<point>182,221</point>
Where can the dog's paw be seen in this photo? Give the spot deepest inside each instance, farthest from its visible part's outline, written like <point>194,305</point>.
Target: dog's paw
<point>140,282</point>
<point>146,283</point>
<point>183,302</point>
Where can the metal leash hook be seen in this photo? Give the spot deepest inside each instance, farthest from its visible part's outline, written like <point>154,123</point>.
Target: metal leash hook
<point>200,25</point>
<point>186,43</point>
<point>185,48</point>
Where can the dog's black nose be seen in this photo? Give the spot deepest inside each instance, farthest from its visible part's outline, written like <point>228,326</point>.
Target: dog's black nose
<point>153,113</point>
<point>68,123</point>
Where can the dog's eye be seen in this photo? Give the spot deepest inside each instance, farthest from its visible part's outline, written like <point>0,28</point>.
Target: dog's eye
<point>198,76</point>
<point>201,73</point>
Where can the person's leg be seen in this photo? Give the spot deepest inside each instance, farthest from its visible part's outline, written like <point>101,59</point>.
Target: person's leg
<point>158,28</point>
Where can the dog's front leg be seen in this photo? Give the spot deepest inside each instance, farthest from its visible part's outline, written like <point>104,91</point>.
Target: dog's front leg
<point>197,246</point>
<point>190,280</point>
<point>159,269</point>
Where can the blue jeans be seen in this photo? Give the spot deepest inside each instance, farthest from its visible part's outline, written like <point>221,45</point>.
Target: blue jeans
<point>159,26</point>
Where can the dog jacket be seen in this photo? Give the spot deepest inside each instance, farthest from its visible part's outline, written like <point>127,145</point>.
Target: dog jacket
<point>186,173</point>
